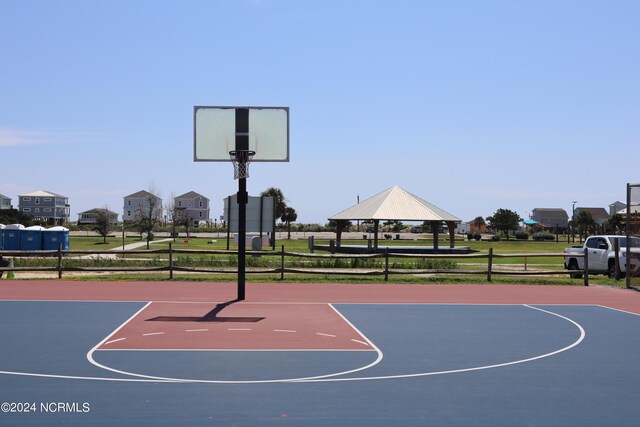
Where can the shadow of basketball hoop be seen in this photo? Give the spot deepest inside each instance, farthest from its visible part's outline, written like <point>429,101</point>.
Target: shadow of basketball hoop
<point>212,316</point>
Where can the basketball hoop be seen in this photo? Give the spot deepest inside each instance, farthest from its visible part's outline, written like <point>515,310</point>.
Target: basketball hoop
<point>241,160</point>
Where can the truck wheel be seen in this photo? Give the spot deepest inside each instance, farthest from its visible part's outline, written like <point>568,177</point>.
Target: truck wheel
<point>573,265</point>
<point>611,271</point>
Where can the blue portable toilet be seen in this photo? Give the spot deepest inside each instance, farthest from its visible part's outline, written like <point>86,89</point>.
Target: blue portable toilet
<point>31,238</point>
<point>11,237</point>
<point>53,236</point>
<point>1,237</point>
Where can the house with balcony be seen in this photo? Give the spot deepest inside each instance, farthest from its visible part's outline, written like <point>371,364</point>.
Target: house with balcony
<point>551,218</point>
<point>5,202</point>
<point>90,217</point>
<point>142,203</point>
<point>193,206</point>
<point>45,206</point>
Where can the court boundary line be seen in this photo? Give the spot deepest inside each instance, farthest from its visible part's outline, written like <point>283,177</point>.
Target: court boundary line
<point>331,377</point>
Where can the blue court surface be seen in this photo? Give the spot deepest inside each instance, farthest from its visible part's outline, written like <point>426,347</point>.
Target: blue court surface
<point>451,365</point>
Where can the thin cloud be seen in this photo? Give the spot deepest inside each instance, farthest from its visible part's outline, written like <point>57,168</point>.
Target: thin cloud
<point>20,138</point>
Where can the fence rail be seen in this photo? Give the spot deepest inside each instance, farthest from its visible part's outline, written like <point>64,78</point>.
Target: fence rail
<point>63,255</point>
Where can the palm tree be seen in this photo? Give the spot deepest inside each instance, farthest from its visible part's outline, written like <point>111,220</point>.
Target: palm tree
<point>288,217</point>
<point>281,202</point>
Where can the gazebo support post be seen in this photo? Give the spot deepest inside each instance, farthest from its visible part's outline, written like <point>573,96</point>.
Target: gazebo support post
<point>376,226</point>
<point>435,225</point>
<point>452,234</point>
<point>339,226</point>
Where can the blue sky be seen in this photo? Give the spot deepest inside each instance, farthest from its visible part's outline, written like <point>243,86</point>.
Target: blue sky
<point>471,105</point>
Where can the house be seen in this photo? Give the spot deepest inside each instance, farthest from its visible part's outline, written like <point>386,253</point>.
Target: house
<point>551,218</point>
<point>91,216</point>
<point>599,215</point>
<point>142,203</point>
<point>616,207</point>
<point>5,202</point>
<point>471,227</point>
<point>193,206</point>
<point>45,206</point>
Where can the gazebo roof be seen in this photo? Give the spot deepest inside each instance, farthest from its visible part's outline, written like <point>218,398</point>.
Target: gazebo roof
<point>395,204</point>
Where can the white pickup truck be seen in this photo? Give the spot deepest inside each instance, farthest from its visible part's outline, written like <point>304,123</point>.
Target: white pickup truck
<point>601,253</point>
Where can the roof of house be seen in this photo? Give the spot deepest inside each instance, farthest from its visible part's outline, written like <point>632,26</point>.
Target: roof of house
<point>140,195</point>
<point>596,213</point>
<point>395,204</point>
<point>2,196</point>
<point>42,193</point>
<point>191,195</point>
<point>551,213</point>
<point>96,210</point>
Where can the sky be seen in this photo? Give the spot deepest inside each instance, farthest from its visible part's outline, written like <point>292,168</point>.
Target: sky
<point>471,105</point>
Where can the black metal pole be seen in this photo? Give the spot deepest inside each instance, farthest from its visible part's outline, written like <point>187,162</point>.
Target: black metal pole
<point>242,144</point>
<point>242,233</point>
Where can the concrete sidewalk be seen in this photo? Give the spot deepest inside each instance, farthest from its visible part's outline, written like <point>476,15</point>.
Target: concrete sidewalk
<point>119,248</point>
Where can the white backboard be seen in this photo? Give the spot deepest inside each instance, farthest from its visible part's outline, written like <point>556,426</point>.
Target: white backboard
<point>215,133</point>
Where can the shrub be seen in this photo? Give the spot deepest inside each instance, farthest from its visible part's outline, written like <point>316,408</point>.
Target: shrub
<point>477,237</point>
<point>522,235</point>
<point>543,235</point>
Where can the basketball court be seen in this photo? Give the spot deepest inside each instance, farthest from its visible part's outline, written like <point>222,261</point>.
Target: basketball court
<point>78,353</point>
<point>185,353</point>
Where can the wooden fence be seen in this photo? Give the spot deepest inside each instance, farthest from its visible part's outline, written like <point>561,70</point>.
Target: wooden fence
<point>62,255</point>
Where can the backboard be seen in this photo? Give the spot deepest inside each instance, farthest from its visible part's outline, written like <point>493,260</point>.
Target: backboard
<point>215,133</point>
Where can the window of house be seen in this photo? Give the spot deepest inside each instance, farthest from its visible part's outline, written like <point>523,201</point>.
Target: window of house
<point>179,203</point>
<point>26,209</point>
<point>26,199</point>
<point>47,199</point>
<point>37,200</point>
<point>201,203</point>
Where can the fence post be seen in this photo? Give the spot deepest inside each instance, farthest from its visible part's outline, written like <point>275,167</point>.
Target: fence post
<point>170,260</point>
<point>282,263</point>
<point>59,260</point>
<point>489,264</point>
<point>386,264</point>
<point>586,267</point>
<point>616,248</point>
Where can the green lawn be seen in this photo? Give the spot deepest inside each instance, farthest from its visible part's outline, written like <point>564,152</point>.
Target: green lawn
<point>301,246</point>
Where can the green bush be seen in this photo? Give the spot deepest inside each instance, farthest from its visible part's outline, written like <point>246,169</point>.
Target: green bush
<point>543,236</point>
<point>522,235</point>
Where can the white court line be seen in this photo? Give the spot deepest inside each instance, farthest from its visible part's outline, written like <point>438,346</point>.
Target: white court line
<point>326,335</point>
<point>112,341</point>
<point>284,330</point>
<point>619,310</point>
<point>282,380</point>
<point>196,330</point>
<point>152,333</point>
<point>323,378</point>
<point>477,368</point>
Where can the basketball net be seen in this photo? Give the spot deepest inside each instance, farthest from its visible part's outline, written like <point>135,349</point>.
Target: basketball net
<point>241,160</point>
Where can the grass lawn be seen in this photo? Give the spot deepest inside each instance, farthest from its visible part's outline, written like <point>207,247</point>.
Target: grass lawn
<point>502,247</point>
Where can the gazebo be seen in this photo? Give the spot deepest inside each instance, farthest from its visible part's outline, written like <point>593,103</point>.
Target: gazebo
<point>396,204</point>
